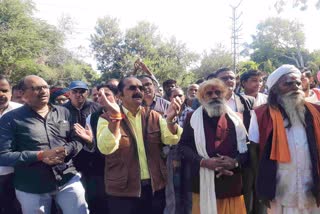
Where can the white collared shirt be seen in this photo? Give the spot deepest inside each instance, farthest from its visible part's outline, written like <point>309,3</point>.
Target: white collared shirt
<point>232,103</point>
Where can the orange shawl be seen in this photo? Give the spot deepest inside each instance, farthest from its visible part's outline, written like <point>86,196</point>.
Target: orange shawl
<point>280,149</point>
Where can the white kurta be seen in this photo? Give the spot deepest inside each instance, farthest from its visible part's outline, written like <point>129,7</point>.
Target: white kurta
<point>294,179</point>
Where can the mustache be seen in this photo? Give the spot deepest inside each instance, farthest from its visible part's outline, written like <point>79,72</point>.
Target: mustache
<point>294,93</point>
<point>137,95</point>
<point>216,101</point>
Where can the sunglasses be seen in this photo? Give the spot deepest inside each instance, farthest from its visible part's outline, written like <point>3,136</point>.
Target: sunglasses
<point>135,87</point>
<point>78,91</point>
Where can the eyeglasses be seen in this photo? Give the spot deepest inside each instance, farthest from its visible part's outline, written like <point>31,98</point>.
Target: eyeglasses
<point>4,90</point>
<point>135,87</point>
<point>78,91</point>
<point>39,88</point>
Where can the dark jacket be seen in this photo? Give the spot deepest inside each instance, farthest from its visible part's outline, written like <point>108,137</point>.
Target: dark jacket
<point>122,171</point>
<point>226,186</point>
<point>23,133</point>
<point>81,161</point>
<point>80,116</point>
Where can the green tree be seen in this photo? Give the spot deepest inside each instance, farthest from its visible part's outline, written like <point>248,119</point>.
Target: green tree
<point>31,46</point>
<point>116,54</point>
<point>281,41</point>
<point>217,58</point>
<point>107,45</point>
<point>247,65</point>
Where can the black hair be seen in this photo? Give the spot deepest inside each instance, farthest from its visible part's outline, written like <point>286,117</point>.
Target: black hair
<point>168,82</point>
<point>216,73</point>
<point>112,88</point>
<point>248,74</point>
<point>121,84</point>
<point>170,92</point>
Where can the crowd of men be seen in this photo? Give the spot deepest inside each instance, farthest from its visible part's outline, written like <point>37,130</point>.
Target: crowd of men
<point>219,146</point>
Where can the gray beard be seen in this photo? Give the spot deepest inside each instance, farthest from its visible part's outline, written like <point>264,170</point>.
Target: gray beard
<point>293,105</point>
<point>214,109</point>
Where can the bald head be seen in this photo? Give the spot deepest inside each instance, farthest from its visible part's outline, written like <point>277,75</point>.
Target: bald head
<point>35,91</point>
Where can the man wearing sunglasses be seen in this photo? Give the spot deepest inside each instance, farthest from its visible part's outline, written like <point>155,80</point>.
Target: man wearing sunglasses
<point>214,143</point>
<point>131,138</point>
<point>80,108</point>
<point>287,131</point>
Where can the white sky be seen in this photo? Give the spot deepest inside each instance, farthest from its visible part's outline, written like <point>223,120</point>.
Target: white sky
<point>200,24</point>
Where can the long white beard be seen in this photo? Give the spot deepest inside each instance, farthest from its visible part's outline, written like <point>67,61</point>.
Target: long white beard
<point>293,104</point>
<point>215,109</point>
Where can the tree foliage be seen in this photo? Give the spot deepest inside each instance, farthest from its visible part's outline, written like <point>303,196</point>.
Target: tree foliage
<point>280,41</point>
<point>116,51</point>
<point>301,4</point>
<point>31,46</point>
<point>217,58</point>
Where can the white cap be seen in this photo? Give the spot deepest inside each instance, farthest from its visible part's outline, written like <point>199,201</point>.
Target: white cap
<point>279,72</point>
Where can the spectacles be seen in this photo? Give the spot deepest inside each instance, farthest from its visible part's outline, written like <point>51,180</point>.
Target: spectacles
<point>39,88</point>
<point>135,87</point>
<point>4,90</point>
<point>78,91</point>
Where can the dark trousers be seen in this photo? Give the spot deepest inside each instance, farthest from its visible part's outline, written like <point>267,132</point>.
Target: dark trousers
<point>253,205</point>
<point>95,193</point>
<point>148,203</point>
<point>8,202</point>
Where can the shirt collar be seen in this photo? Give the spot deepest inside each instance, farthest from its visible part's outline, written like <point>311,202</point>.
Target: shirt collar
<point>128,113</point>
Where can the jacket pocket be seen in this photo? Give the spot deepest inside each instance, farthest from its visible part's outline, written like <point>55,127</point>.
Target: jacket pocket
<point>154,136</point>
<point>116,174</point>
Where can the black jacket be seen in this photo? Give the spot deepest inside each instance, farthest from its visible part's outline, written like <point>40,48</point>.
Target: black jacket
<point>23,133</point>
<point>81,161</point>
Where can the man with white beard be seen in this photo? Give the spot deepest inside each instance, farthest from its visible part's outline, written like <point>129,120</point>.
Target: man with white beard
<point>287,129</point>
<point>214,142</point>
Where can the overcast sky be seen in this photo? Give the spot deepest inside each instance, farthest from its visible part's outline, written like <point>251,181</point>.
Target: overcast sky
<point>200,24</point>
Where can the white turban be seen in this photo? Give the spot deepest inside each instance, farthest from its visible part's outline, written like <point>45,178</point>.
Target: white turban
<point>279,72</point>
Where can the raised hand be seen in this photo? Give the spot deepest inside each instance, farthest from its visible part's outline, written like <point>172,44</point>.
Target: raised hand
<point>84,133</point>
<point>174,108</point>
<point>109,104</point>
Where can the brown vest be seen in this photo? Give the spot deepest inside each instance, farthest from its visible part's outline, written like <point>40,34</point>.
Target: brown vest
<point>122,168</point>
